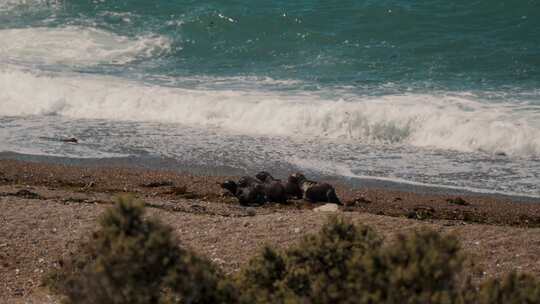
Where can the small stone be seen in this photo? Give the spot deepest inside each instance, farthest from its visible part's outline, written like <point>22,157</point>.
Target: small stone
<point>327,208</point>
<point>297,230</point>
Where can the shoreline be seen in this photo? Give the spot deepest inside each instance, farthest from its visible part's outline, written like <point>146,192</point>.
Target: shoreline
<point>171,165</point>
<point>117,177</point>
<point>47,209</point>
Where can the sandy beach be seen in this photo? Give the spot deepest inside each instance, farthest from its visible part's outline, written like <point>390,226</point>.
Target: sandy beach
<point>47,209</point>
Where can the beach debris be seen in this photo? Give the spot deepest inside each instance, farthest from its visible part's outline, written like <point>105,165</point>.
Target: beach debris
<point>24,193</point>
<point>90,184</point>
<point>313,191</point>
<point>458,201</point>
<point>327,208</point>
<point>198,208</point>
<point>157,184</point>
<point>251,212</point>
<point>421,213</point>
<point>71,183</point>
<point>4,179</point>
<point>71,140</point>
<point>179,190</point>
<point>361,200</point>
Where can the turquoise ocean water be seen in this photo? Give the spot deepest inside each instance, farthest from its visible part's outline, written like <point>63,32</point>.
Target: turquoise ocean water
<point>436,92</point>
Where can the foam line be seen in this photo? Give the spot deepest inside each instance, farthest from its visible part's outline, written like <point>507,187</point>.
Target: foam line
<point>76,46</point>
<point>424,120</point>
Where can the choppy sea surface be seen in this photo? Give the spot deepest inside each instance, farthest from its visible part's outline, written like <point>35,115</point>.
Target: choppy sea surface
<point>432,92</point>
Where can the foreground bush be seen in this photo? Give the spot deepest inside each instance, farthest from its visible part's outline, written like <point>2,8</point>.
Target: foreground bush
<point>422,267</point>
<point>317,270</point>
<point>348,264</point>
<point>135,260</point>
<point>131,259</point>
<point>512,289</point>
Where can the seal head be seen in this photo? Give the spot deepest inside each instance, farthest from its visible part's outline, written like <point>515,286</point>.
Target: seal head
<point>313,191</point>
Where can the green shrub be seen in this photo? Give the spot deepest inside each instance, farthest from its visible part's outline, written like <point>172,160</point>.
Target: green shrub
<point>260,280</point>
<point>319,268</point>
<point>196,280</point>
<point>512,289</point>
<point>348,264</point>
<point>135,260</point>
<point>421,267</point>
<point>131,259</point>
<point>316,271</point>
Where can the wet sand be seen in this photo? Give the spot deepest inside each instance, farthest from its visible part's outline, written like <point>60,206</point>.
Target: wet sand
<point>46,209</point>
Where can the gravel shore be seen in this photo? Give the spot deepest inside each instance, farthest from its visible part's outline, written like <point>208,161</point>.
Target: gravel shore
<point>45,210</point>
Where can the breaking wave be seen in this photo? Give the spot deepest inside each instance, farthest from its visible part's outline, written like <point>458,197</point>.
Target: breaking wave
<point>76,46</point>
<point>444,121</point>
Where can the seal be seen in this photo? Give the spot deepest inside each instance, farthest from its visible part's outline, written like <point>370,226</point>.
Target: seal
<point>313,191</point>
<point>230,186</point>
<point>273,188</point>
<point>292,188</point>
<point>247,181</point>
<point>251,196</point>
<point>247,191</point>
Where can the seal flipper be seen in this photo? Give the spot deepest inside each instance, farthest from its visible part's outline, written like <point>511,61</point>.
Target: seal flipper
<point>332,197</point>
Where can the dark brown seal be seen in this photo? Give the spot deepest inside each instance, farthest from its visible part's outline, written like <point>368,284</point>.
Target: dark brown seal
<point>314,191</point>
<point>247,181</point>
<point>247,193</point>
<point>273,188</point>
<point>292,188</point>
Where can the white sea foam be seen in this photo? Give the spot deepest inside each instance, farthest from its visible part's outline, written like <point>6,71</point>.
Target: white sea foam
<point>333,168</point>
<point>76,46</point>
<point>439,121</point>
<point>7,5</point>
